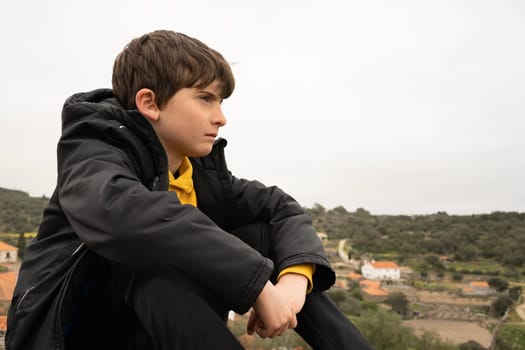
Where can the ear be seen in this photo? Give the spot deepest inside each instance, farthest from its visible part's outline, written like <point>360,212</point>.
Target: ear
<point>146,105</point>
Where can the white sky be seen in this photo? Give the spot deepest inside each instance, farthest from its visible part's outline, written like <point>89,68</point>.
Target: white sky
<point>399,107</point>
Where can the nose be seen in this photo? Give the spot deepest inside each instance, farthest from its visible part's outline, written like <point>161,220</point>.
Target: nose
<point>218,117</point>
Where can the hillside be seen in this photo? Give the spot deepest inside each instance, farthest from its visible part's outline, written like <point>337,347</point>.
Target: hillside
<point>495,238</point>
<point>19,212</point>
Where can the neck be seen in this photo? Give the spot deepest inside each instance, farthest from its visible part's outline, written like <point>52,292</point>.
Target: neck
<point>174,162</point>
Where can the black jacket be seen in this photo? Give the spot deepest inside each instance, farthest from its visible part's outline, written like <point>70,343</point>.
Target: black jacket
<point>111,201</point>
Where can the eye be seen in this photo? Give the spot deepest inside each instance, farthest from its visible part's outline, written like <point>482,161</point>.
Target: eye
<point>206,98</point>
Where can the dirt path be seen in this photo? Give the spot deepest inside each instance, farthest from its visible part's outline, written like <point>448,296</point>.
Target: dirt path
<point>520,310</point>
<point>341,250</point>
<point>456,331</point>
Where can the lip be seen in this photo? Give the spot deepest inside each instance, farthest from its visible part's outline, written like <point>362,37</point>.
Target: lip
<point>211,135</point>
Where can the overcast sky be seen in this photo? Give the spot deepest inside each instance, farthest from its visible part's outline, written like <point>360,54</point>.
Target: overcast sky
<point>398,107</point>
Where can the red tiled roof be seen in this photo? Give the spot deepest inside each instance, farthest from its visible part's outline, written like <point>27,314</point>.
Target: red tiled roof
<point>354,276</point>
<point>370,284</point>
<point>5,246</point>
<point>340,283</point>
<point>7,285</point>
<point>3,323</point>
<point>384,265</point>
<point>375,292</point>
<point>479,284</point>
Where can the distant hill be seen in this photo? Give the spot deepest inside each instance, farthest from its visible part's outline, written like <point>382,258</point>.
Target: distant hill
<point>498,237</point>
<point>19,212</point>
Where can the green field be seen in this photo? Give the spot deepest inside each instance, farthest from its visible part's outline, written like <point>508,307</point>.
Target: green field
<point>484,266</point>
<point>511,337</point>
<point>12,238</point>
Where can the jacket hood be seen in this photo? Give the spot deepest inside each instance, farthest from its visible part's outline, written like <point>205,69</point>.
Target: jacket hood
<point>98,104</point>
<point>98,112</point>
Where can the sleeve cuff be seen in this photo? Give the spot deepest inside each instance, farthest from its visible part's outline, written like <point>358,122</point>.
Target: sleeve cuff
<point>306,270</point>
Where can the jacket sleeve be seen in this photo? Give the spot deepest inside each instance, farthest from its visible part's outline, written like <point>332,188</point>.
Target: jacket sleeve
<point>293,239</point>
<point>119,218</point>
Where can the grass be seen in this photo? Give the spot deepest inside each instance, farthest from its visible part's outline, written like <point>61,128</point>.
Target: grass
<point>484,266</point>
<point>12,238</point>
<point>10,235</point>
<point>386,256</point>
<point>431,286</point>
<point>511,337</point>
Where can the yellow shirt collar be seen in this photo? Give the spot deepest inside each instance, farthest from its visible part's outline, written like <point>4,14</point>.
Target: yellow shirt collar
<point>183,184</point>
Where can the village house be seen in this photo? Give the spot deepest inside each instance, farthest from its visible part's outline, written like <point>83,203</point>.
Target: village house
<point>381,270</point>
<point>372,290</point>
<point>479,288</point>
<point>7,287</point>
<point>8,253</point>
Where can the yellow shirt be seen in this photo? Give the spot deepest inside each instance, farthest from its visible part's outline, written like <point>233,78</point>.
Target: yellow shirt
<point>183,187</point>
<point>183,184</point>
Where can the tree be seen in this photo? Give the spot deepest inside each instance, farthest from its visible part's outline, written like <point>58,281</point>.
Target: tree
<point>430,340</point>
<point>499,284</point>
<point>338,296</point>
<point>385,331</point>
<point>362,212</point>
<point>471,345</point>
<point>514,293</point>
<point>350,306</point>
<point>22,245</point>
<point>466,253</point>
<point>398,301</point>
<point>458,277</point>
<point>434,262</point>
<point>500,305</point>
<point>356,294</point>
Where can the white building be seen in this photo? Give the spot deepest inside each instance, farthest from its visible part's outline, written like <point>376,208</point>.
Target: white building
<point>8,253</point>
<point>381,270</point>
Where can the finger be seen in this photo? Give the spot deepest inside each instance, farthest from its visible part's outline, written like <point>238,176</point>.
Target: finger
<point>279,331</point>
<point>261,330</point>
<point>251,323</point>
<point>293,322</point>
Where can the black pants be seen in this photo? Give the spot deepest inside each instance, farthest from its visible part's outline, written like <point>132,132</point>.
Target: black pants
<point>179,315</point>
<point>176,316</point>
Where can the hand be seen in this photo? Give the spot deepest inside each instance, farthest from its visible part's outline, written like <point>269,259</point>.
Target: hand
<point>293,287</point>
<point>271,314</point>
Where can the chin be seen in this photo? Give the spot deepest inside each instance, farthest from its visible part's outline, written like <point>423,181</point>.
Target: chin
<point>202,152</point>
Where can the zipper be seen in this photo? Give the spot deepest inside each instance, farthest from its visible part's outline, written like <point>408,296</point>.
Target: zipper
<point>59,335</point>
<point>23,297</point>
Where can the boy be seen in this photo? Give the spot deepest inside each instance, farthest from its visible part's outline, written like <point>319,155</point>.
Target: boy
<point>148,240</point>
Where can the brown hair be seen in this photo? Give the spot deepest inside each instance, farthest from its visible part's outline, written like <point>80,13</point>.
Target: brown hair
<point>165,62</point>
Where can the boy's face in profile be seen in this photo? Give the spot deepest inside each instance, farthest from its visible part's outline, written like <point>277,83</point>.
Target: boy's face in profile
<point>189,122</point>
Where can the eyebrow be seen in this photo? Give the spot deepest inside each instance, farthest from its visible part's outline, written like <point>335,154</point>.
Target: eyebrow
<point>215,95</point>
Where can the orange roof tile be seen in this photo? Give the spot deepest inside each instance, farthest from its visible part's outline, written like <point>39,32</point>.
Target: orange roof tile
<point>384,265</point>
<point>375,292</point>
<point>340,283</point>
<point>3,323</point>
<point>7,285</point>
<point>354,276</point>
<point>479,284</point>
<point>5,246</point>
<point>369,284</point>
